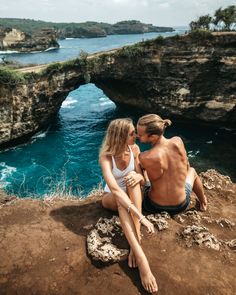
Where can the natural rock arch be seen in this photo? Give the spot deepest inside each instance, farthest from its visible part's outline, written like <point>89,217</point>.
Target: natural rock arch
<point>176,77</point>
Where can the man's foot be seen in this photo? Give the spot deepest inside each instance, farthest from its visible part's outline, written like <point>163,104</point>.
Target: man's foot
<point>203,205</point>
<point>147,278</point>
<point>132,260</point>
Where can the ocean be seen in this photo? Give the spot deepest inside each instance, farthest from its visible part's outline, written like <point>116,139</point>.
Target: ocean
<point>64,158</point>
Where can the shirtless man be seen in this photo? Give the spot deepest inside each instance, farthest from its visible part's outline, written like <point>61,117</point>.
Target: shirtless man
<point>172,179</point>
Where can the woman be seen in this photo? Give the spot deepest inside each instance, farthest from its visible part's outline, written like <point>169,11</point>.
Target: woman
<point>121,170</point>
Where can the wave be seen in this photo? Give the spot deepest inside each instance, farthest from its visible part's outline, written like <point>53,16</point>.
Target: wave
<point>68,102</point>
<point>6,171</point>
<point>51,48</point>
<point>69,38</point>
<point>103,99</point>
<point>193,154</point>
<point>9,51</point>
<point>106,103</point>
<point>40,135</point>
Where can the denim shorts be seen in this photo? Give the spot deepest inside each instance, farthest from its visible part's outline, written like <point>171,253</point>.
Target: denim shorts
<point>151,207</point>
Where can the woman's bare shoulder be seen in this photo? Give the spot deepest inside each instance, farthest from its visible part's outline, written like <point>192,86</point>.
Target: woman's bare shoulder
<point>135,149</point>
<point>105,158</point>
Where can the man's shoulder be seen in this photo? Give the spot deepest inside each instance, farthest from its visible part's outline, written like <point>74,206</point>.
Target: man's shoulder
<point>148,157</point>
<point>176,139</point>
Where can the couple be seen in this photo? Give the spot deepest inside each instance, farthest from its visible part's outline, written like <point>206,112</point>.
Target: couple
<point>159,179</point>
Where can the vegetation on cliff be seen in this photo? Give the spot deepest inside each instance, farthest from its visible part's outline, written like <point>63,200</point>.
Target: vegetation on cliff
<point>80,30</point>
<point>223,20</point>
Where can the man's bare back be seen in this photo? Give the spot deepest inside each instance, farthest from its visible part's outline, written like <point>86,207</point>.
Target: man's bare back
<point>166,165</point>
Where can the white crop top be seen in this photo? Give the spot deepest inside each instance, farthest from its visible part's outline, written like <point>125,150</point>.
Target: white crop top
<point>120,174</point>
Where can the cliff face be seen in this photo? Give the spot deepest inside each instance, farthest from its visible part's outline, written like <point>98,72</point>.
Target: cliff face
<point>13,39</point>
<point>180,78</point>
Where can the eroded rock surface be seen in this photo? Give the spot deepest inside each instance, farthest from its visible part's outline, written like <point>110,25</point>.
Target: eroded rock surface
<point>178,77</point>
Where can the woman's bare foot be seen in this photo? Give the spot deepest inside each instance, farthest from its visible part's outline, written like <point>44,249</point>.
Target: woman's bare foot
<point>132,260</point>
<point>147,278</point>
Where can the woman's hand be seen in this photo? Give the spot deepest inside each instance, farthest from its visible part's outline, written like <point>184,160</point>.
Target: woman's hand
<point>133,178</point>
<point>149,226</point>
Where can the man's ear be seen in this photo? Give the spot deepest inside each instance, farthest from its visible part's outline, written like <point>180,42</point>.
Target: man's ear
<point>154,136</point>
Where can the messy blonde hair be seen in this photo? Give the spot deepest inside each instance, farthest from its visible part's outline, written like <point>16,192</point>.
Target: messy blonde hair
<point>116,137</point>
<point>154,124</point>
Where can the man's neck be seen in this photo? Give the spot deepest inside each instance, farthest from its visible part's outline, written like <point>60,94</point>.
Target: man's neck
<point>158,141</point>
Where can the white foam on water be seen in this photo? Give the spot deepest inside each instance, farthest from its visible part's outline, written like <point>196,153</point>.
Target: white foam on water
<point>40,135</point>
<point>193,154</point>
<point>69,38</point>
<point>5,171</point>
<point>103,99</point>
<point>51,48</point>
<point>106,103</point>
<point>67,104</point>
<point>8,51</point>
<point>209,142</point>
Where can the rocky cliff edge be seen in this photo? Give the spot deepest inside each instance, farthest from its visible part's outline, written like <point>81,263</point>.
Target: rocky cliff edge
<point>56,246</point>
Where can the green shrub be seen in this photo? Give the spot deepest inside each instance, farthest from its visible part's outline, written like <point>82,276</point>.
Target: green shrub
<point>131,51</point>
<point>11,77</point>
<point>200,35</point>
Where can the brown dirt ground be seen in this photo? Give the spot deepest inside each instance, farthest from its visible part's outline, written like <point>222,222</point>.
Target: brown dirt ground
<point>43,251</point>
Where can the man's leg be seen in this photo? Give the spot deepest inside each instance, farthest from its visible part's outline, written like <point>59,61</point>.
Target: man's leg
<point>193,179</point>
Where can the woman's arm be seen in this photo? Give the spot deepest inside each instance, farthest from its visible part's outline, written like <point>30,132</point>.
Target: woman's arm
<point>120,196</point>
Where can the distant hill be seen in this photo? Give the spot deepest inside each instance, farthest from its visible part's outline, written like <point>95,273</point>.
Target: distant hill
<point>79,30</point>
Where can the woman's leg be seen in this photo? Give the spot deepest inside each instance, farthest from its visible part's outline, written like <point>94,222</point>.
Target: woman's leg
<point>135,195</point>
<point>193,179</point>
<point>147,278</point>
<point>109,201</point>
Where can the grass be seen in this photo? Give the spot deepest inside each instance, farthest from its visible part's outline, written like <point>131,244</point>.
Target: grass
<point>11,77</point>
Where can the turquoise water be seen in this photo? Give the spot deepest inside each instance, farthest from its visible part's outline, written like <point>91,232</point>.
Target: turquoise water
<point>66,155</point>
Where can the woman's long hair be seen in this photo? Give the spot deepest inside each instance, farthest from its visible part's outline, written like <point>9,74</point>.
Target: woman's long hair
<point>116,137</point>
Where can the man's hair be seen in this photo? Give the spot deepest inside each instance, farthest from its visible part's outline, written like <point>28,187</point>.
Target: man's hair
<point>154,124</point>
<point>116,137</point>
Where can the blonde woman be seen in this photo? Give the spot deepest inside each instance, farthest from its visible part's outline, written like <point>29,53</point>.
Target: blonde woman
<point>121,170</point>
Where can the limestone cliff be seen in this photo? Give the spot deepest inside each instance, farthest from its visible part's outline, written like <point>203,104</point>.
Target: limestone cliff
<point>185,78</point>
<point>14,39</point>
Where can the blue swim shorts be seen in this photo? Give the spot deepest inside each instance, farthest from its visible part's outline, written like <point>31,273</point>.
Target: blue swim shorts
<point>151,207</point>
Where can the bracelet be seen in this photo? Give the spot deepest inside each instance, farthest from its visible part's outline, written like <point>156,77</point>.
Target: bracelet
<point>141,218</point>
<point>128,209</point>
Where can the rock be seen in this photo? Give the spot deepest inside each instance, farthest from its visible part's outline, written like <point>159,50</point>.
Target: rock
<point>99,241</point>
<point>232,244</point>
<point>14,39</point>
<point>159,220</point>
<point>212,179</point>
<point>201,236</point>
<point>159,76</point>
<point>223,222</point>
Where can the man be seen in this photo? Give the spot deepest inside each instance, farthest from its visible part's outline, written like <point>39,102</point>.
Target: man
<point>172,179</point>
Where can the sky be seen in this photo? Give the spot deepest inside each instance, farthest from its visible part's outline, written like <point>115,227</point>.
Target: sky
<point>156,12</point>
